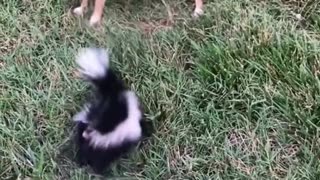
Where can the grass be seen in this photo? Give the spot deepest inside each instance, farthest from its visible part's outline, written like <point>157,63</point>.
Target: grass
<point>232,95</point>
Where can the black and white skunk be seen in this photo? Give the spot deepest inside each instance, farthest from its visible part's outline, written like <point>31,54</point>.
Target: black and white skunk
<point>112,122</point>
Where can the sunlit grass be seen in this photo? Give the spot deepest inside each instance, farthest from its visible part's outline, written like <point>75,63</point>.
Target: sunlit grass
<point>232,95</point>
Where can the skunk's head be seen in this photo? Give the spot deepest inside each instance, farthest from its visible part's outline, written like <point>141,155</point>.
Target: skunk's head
<point>127,130</point>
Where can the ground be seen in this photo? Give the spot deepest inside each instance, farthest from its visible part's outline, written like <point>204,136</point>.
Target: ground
<point>234,94</point>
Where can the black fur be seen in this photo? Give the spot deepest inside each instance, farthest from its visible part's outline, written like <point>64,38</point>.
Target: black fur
<point>110,106</point>
<point>98,158</point>
<point>107,110</point>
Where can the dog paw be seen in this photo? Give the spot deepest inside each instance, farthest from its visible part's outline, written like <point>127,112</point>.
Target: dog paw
<point>78,11</point>
<point>197,12</point>
<point>94,20</point>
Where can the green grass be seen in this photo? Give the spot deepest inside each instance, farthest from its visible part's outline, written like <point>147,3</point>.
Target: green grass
<point>232,95</point>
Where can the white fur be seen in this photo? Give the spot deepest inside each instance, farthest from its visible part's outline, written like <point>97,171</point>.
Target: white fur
<point>129,129</point>
<point>82,115</point>
<point>93,62</point>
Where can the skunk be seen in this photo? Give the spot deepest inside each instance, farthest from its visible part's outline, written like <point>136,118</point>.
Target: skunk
<point>112,122</point>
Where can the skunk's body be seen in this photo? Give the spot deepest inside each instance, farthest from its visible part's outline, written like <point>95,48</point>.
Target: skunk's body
<point>98,158</point>
<point>110,124</point>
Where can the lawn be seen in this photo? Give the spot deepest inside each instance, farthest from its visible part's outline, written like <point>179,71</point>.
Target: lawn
<point>234,94</point>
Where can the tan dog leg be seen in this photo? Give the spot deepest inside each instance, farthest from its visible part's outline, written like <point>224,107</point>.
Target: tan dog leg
<point>97,13</point>
<point>79,10</point>
<point>199,8</point>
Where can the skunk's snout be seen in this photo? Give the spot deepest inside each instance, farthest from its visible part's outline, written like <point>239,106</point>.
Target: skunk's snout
<point>86,133</point>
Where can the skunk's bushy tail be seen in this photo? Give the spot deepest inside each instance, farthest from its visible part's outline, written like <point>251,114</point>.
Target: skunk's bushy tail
<point>94,66</point>
<point>93,62</point>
